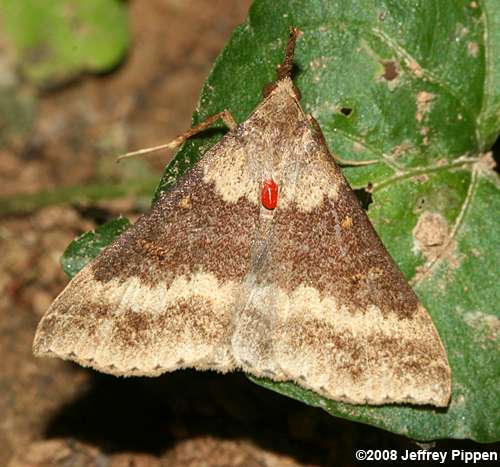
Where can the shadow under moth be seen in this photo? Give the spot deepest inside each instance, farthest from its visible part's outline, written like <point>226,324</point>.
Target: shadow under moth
<point>258,259</point>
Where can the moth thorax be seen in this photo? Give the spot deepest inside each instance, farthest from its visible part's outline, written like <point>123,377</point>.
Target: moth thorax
<point>269,194</point>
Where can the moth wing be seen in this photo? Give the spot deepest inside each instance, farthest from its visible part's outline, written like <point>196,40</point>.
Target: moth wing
<point>329,308</point>
<point>162,296</point>
<point>354,330</point>
<point>211,280</point>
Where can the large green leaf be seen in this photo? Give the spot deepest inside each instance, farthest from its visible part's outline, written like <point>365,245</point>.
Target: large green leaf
<point>421,81</point>
<point>87,246</point>
<point>415,85</point>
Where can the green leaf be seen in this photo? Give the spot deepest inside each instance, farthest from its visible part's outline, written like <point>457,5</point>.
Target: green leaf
<point>415,85</point>
<point>489,118</point>
<point>58,39</point>
<point>423,88</point>
<point>87,246</point>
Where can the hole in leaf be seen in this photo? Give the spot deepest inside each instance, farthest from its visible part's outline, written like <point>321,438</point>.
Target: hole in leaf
<point>364,197</point>
<point>496,155</point>
<point>421,203</point>
<point>390,70</point>
<point>347,111</point>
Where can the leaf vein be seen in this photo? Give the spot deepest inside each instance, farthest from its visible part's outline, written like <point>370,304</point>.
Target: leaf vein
<point>386,159</point>
<point>402,175</point>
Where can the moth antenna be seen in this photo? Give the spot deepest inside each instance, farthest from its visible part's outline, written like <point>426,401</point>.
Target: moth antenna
<point>225,116</point>
<point>285,69</point>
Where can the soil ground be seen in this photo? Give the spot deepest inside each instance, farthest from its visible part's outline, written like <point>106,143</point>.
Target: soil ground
<point>58,414</point>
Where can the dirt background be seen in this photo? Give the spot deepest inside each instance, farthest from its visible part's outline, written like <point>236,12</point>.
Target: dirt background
<point>58,414</point>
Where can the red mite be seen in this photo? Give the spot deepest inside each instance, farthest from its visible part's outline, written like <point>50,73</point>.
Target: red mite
<point>269,194</point>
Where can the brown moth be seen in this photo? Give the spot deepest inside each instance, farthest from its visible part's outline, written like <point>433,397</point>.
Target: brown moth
<point>259,259</point>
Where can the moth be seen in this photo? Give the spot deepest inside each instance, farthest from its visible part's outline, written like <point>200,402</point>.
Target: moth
<point>259,259</point>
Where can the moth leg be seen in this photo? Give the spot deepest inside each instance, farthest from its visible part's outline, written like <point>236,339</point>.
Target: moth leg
<point>339,160</point>
<point>225,116</point>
